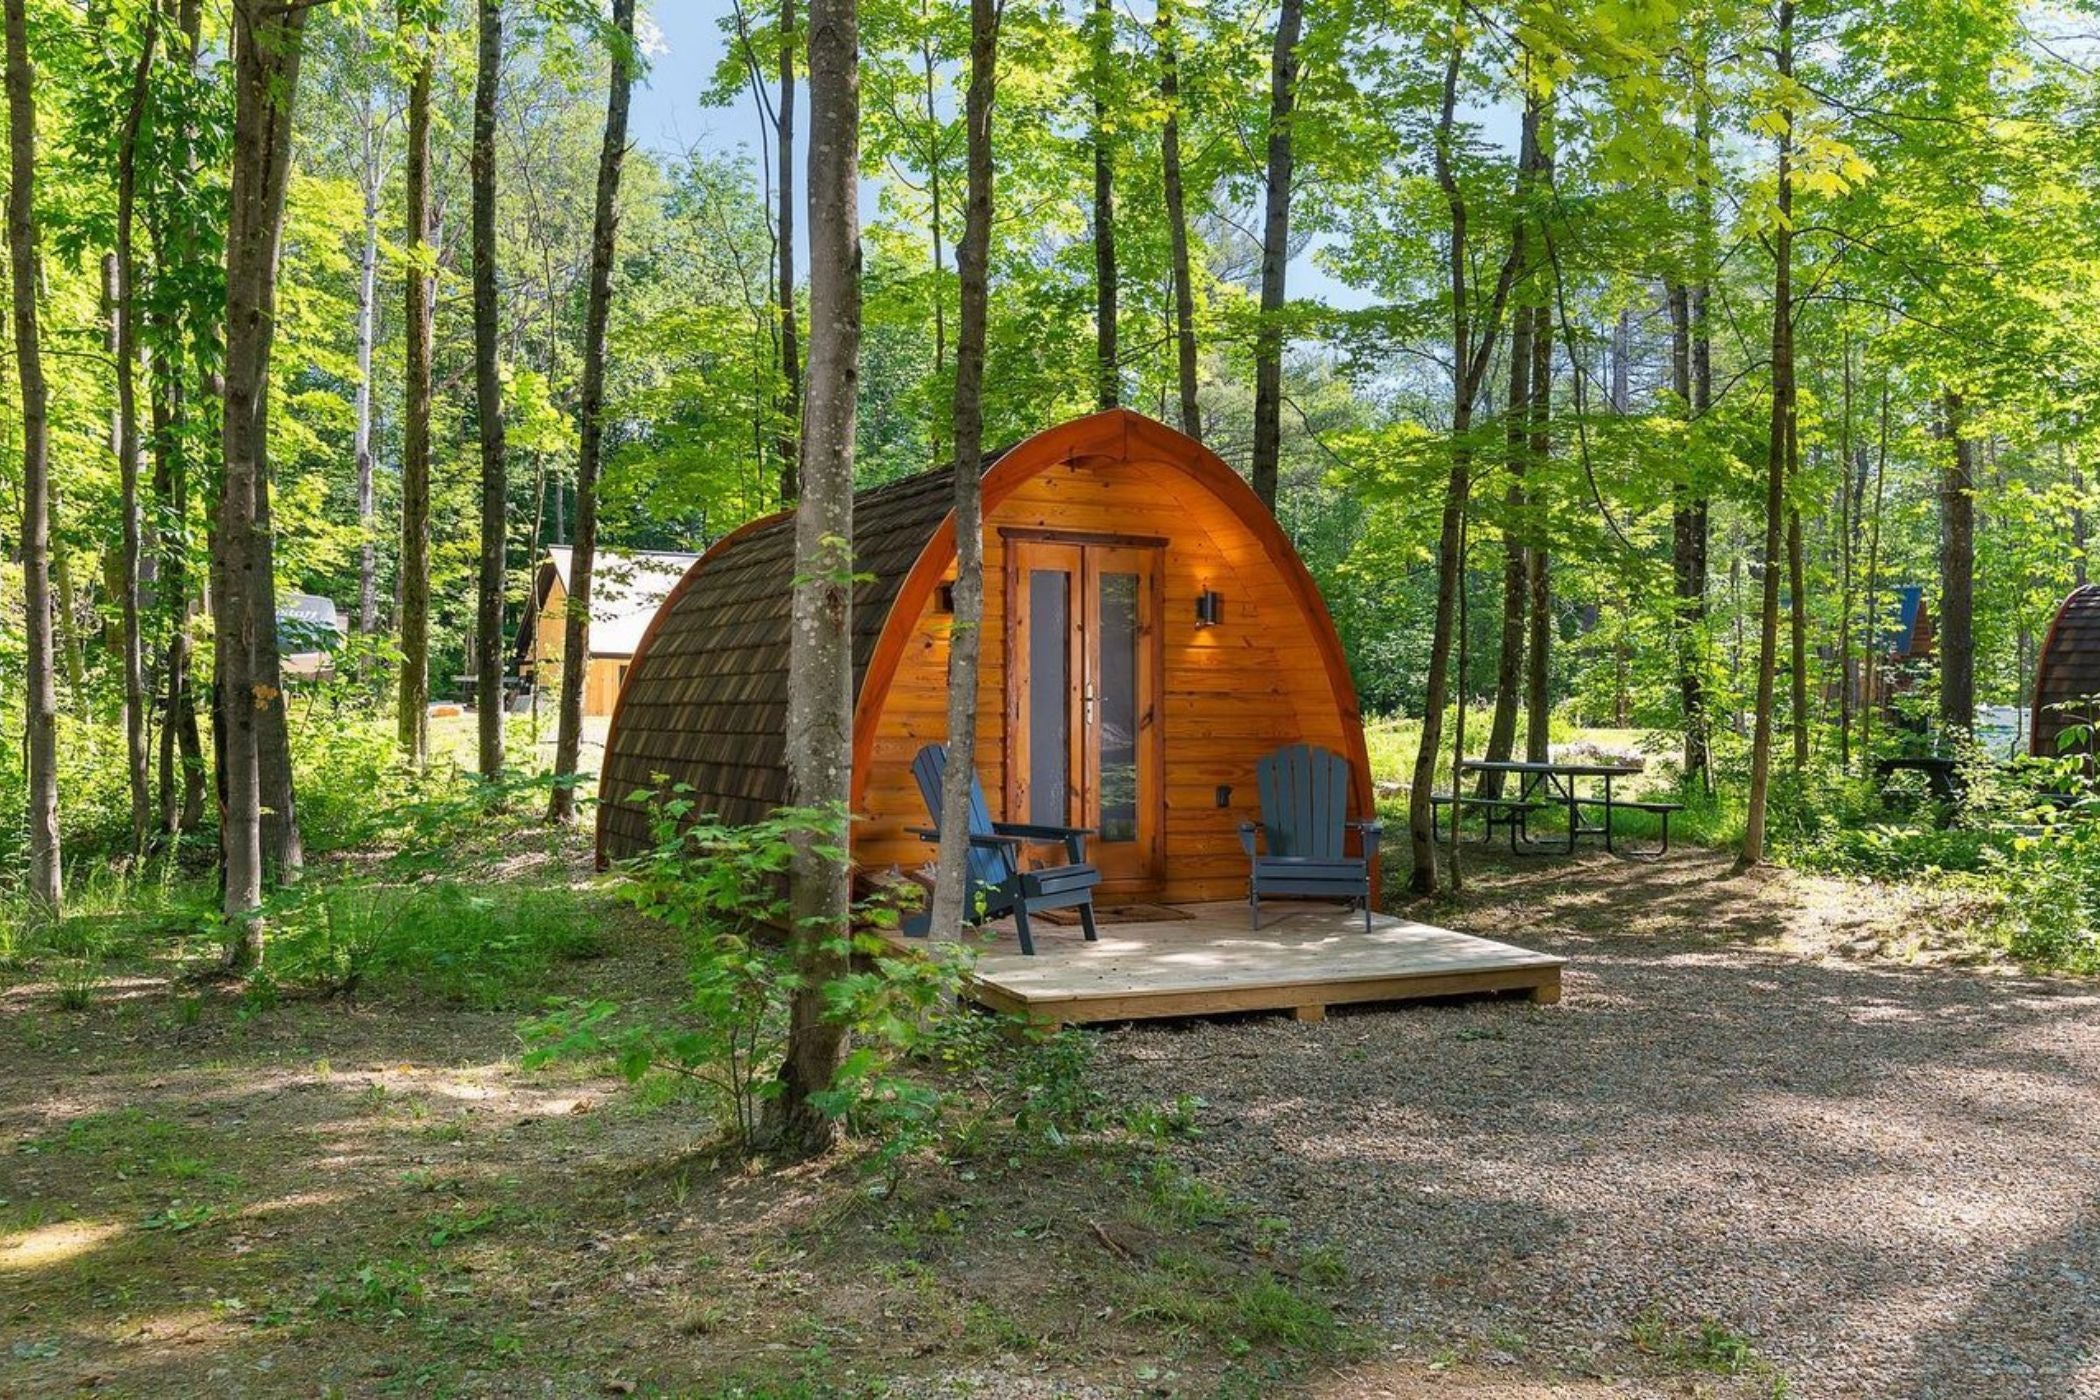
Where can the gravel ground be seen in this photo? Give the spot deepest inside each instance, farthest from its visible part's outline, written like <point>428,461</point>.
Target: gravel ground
<point>1883,1174</point>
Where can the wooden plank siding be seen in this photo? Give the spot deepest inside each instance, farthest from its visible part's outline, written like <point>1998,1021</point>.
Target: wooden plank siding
<point>707,695</point>
<point>2067,672</point>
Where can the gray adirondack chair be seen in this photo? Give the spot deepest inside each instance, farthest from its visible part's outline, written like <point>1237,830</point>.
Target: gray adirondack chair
<point>1304,823</point>
<point>999,884</point>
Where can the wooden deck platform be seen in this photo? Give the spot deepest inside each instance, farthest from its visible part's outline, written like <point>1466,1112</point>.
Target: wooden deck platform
<point>1305,958</point>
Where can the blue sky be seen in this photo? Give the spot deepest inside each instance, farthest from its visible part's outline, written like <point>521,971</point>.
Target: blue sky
<point>669,118</point>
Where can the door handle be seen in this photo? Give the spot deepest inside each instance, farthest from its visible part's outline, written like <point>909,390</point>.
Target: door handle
<point>1088,719</point>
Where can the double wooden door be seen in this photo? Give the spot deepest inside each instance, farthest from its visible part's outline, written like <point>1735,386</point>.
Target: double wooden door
<point>1084,695</point>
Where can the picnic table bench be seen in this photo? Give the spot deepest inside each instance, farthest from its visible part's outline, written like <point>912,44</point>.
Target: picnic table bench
<point>1942,775</point>
<point>1511,812</point>
<point>1547,785</point>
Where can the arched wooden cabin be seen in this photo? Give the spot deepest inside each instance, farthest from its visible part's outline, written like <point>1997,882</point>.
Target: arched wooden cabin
<point>2068,674</point>
<point>1150,634</point>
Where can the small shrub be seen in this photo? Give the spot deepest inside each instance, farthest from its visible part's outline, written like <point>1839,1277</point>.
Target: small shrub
<point>722,887</point>
<point>487,947</point>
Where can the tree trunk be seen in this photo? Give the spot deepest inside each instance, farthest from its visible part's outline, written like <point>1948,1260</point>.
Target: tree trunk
<point>1798,633</point>
<point>1509,662</point>
<point>937,227</point>
<point>40,747</point>
<point>174,246</point>
<point>367,321</point>
<point>1689,527</point>
<point>820,658</point>
<point>266,59</point>
<point>1275,255</point>
<point>1622,362</point>
<point>1178,223</point>
<point>965,636</point>
<point>1471,361</point>
<point>1850,495</point>
<point>488,396</point>
<point>172,508</point>
<point>1538,662</point>
<point>1957,577</point>
<point>576,628</point>
<point>2078,523</point>
<point>71,654</point>
<point>125,309</point>
<point>790,442</point>
<point>1775,458</point>
<point>284,851</point>
<point>413,727</point>
<point>1108,377</point>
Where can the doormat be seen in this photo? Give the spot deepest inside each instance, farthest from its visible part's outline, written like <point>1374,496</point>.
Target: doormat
<point>1116,914</point>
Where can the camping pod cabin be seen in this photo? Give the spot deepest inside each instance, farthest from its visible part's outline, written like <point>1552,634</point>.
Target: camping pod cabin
<point>627,587</point>
<point>2067,678</point>
<point>1150,634</point>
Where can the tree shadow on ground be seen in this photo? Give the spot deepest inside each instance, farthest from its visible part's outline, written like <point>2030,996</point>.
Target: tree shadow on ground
<point>1874,1172</point>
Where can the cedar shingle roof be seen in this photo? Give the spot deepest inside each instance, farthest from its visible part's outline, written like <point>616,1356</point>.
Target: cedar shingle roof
<point>2069,670</point>
<point>706,696</point>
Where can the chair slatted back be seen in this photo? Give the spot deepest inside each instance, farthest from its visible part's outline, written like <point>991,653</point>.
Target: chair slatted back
<point>989,865</point>
<point>1304,802</point>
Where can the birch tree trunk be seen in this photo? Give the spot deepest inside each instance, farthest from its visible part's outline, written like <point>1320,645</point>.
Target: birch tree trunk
<point>138,759</point>
<point>965,636</point>
<point>413,727</point>
<point>820,658</point>
<point>576,626</point>
<point>1275,254</point>
<point>1775,459</point>
<point>367,321</point>
<point>40,745</point>
<point>488,398</point>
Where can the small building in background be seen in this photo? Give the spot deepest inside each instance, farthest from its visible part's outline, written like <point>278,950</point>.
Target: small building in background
<point>310,630</point>
<point>1900,656</point>
<point>2067,679</point>
<point>627,588</point>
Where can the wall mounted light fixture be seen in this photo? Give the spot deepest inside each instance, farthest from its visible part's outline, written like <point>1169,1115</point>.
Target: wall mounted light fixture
<point>1210,608</point>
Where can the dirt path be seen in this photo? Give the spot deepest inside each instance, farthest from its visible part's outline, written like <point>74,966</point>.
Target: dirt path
<point>1739,1143</point>
<point>1753,1152</point>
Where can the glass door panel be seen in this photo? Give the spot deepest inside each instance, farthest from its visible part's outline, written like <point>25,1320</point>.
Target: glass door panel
<point>1120,707</point>
<point>1048,713</point>
<point>1083,702</point>
<point>1045,772</point>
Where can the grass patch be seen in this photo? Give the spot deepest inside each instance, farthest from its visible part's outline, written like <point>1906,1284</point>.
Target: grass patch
<point>134,1144</point>
<point>1705,1345</point>
<point>491,947</point>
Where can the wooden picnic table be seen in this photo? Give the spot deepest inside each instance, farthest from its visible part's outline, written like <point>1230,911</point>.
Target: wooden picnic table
<point>1556,782</point>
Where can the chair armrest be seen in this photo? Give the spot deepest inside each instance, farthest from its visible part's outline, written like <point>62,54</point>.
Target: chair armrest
<point>1247,830</point>
<point>1073,838</point>
<point>1372,832</point>
<point>1004,843</point>
<point>1037,831</point>
<point>928,833</point>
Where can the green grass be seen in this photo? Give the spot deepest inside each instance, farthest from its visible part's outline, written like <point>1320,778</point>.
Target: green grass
<point>1705,1345</point>
<point>490,946</point>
